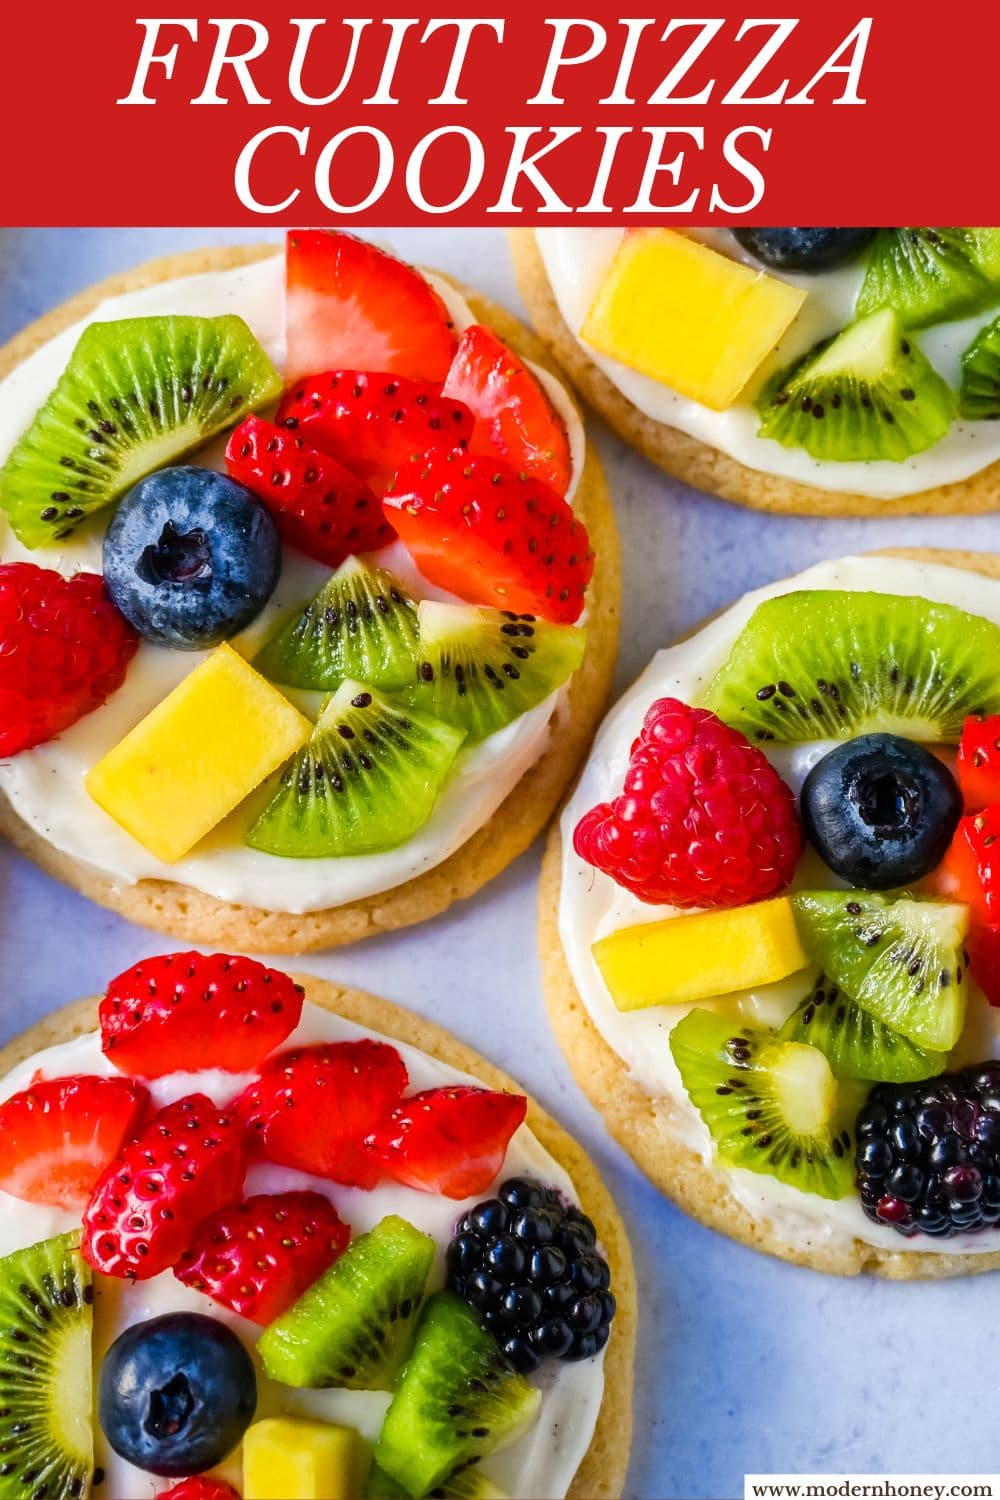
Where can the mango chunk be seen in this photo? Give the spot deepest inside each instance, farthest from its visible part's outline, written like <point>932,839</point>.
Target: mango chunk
<point>685,959</point>
<point>292,1458</point>
<point>197,755</point>
<point>678,311</point>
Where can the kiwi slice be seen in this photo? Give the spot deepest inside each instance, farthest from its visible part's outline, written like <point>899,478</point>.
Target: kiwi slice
<point>979,394</point>
<point>467,1484</point>
<point>46,1381</point>
<point>831,664</point>
<point>857,1045</point>
<point>362,624</point>
<point>867,394</point>
<point>353,1327</point>
<point>457,1400</point>
<point>931,275</point>
<point>482,668</point>
<point>136,394</point>
<point>903,960</point>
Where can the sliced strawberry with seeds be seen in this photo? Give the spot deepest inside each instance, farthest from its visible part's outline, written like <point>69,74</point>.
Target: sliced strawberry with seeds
<point>57,1137</point>
<point>978,761</point>
<point>451,1141</point>
<point>201,1487</point>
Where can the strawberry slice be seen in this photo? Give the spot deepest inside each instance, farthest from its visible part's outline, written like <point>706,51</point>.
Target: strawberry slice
<point>492,536</point>
<point>201,1487</point>
<point>978,761</point>
<point>182,1011</point>
<point>57,1137</point>
<point>314,1108</point>
<point>451,1141</point>
<point>515,420</point>
<point>373,423</point>
<point>348,303</point>
<point>970,872</point>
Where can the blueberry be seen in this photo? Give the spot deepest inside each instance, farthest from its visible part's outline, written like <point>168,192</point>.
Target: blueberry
<point>176,1394</point>
<point>190,558</point>
<point>880,811</point>
<point>804,249</point>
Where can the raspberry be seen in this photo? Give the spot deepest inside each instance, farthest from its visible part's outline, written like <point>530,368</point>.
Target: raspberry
<point>64,649</point>
<point>703,819</point>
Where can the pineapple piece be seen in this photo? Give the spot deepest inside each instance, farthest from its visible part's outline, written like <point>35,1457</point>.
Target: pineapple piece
<point>685,959</point>
<point>291,1458</point>
<point>197,755</point>
<point>687,316</point>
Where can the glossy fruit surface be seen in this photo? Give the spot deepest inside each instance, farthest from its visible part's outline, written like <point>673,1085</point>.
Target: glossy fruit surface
<point>451,1141</point>
<point>804,249</point>
<point>978,762</point>
<point>58,1135</point>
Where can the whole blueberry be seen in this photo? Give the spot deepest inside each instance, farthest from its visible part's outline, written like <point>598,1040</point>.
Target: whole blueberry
<point>190,558</point>
<point>880,811</point>
<point>804,249</point>
<point>176,1394</point>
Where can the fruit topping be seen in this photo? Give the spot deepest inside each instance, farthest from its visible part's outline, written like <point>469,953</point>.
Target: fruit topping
<point>466,1484</point>
<point>880,811</point>
<point>172,1013</point>
<point>811,250</point>
<point>366,781</point>
<point>932,275</point>
<point>831,664</point>
<point>58,1135</point>
<point>46,1381</point>
<point>190,558</point>
<point>713,953</point>
<point>771,1106</point>
<point>857,1045</point>
<point>258,1256</point>
<point>979,393</point>
<point>970,872</point>
<point>681,313</point>
<point>928,1156</point>
<point>183,1165</point>
<point>451,1141</point>
<point>176,1393</point>
<point>348,302</point>
<point>491,535</point>
<point>135,395</point>
<point>353,1327</point>
<point>313,1108</point>
<point>64,649</point>
<point>529,1265</point>
<point>197,755</point>
<point>293,1458</point>
<point>977,764</point>
<point>514,418</point>
<point>703,818</point>
<point>867,394</point>
<point>201,1487</point>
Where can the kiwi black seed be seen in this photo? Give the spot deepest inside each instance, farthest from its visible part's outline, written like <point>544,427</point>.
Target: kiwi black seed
<point>931,275</point>
<point>857,1044</point>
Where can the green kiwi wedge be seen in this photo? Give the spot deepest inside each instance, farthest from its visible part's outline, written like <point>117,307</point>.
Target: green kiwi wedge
<point>457,1400</point>
<point>903,960</point>
<point>362,624</point>
<point>353,1327</point>
<point>931,275</point>
<point>856,1044</point>
<point>46,1380</point>
<point>482,668</point>
<point>366,780</point>
<point>867,394</point>
<point>467,1484</point>
<point>831,664</point>
<point>135,395</point>
<point>770,1105</point>
<point>979,393</point>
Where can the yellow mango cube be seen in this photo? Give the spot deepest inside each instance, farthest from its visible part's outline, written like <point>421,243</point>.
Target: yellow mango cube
<point>678,311</point>
<point>685,959</point>
<point>292,1458</point>
<point>197,755</point>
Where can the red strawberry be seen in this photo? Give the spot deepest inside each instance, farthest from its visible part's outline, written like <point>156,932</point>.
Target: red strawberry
<point>201,1487</point>
<point>703,819</point>
<point>185,1163</point>
<point>349,304</point>
<point>64,649</point>
<point>258,1256</point>
<point>978,762</point>
<point>450,1141</point>
<point>57,1137</point>
<point>313,1108</point>
<point>970,872</point>
<point>317,504</point>
<point>178,1011</point>
<point>515,420</point>
<point>373,423</point>
<point>491,536</point>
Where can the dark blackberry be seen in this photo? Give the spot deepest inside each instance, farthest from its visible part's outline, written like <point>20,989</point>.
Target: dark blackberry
<point>530,1266</point>
<point>928,1154</point>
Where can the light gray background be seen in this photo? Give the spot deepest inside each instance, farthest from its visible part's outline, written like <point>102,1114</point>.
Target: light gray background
<point>744,1364</point>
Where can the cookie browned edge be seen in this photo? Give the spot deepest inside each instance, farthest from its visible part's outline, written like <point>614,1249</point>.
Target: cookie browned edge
<point>699,464</point>
<point>601,1475</point>
<point>186,913</point>
<point>642,1123</point>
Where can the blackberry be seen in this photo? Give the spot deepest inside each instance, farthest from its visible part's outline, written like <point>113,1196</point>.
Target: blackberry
<point>528,1263</point>
<point>928,1154</point>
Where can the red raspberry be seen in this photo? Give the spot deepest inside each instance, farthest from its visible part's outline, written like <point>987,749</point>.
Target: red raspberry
<point>64,649</point>
<point>703,820</point>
